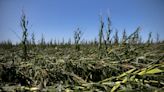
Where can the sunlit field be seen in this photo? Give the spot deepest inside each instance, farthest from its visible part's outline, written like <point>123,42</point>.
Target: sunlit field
<point>105,64</point>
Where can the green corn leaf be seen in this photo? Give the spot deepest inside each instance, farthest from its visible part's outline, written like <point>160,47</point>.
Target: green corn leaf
<point>115,87</point>
<point>125,80</point>
<point>153,71</point>
<point>130,71</point>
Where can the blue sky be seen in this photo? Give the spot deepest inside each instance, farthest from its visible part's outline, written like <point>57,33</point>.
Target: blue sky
<point>57,19</point>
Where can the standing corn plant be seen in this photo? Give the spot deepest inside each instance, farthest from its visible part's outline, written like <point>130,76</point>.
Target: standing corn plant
<point>108,33</point>
<point>33,39</point>
<point>77,37</point>
<point>124,36</point>
<point>149,38</point>
<point>116,39</point>
<point>24,24</point>
<point>157,39</point>
<point>100,37</point>
<point>134,37</point>
<point>42,42</point>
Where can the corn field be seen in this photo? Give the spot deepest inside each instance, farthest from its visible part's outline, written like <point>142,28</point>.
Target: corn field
<point>107,65</point>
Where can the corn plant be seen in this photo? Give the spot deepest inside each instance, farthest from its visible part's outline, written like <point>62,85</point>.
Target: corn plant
<point>6,44</point>
<point>77,37</point>
<point>157,39</point>
<point>69,42</point>
<point>42,43</point>
<point>140,40</point>
<point>108,33</point>
<point>100,37</point>
<point>95,41</point>
<point>24,24</point>
<point>33,38</point>
<point>124,36</point>
<point>116,39</point>
<point>149,38</point>
<point>134,37</point>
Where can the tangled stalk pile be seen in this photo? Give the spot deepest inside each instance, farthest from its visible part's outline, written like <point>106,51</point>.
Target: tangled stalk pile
<point>127,68</point>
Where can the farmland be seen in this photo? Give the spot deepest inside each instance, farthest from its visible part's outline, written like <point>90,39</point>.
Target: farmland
<point>128,65</point>
<point>63,68</point>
